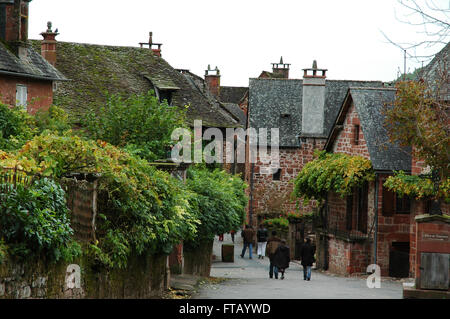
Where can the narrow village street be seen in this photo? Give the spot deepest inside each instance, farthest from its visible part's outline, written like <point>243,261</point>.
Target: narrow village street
<point>249,279</point>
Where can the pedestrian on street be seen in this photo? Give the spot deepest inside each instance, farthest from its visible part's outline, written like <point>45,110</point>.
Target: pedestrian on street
<point>282,258</point>
<point>233,232</point>
<point>221,237</point>
<point>271,248</point>
<point>307,257</point>
<point>248,233</point>
<point>262,235</point>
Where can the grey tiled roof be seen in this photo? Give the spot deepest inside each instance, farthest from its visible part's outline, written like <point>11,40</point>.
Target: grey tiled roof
<point>232,94</point>
<point>33,65</point>
<point>99,70</point>
<point>369,104</point>
<point>277,103</point>
<point>436,73</point>
<point>237,112</point>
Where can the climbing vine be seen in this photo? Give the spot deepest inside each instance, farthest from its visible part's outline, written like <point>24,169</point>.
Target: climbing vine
<point>335,172</point>
<point>417,187</point>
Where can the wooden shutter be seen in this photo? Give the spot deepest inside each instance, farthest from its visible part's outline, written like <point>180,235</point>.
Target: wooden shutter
<point>388,202</point>
<point>21,95</point>
<point>363,208</point>
<point>349,216</point>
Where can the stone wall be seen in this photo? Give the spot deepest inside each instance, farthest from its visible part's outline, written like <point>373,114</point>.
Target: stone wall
<point>143,278</point>
<point>197,260</point>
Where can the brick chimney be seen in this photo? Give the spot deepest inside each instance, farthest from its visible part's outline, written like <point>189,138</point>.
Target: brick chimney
<point>155,47</point>
<point>212,79</point>
<point>14,20</point>
<point>313,101</point>
<point>281,69</point>
<point>48,45</point>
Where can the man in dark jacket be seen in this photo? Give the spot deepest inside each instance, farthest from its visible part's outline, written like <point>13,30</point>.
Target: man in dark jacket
<point>282,258</point>
<point>307,256</point>
<point>248,234</point>
<point>271,248</point>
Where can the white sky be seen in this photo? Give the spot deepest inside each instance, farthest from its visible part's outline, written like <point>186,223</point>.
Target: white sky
<point>243,37</point>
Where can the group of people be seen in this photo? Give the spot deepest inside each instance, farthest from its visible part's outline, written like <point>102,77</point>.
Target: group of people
<point>277,251</point>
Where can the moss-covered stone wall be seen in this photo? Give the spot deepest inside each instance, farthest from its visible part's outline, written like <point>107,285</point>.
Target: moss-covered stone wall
<point>145,277</point>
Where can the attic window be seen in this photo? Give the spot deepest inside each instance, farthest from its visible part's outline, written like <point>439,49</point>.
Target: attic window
<point>356,135</point>
<point>164,95</point>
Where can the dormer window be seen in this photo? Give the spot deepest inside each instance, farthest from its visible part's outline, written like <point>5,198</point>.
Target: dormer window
<point>164,88</point>
<point>165,95</point>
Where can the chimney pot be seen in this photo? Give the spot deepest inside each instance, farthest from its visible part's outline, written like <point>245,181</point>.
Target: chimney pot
<point>48,44</point>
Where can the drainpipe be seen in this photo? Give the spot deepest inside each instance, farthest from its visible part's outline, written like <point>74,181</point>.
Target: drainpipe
<point>376,220</point>
<point>250,213</point>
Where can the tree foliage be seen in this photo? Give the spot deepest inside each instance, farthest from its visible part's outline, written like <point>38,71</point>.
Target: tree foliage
<point>140,123</point>
<point>219,199</point>
<point>418,119</point>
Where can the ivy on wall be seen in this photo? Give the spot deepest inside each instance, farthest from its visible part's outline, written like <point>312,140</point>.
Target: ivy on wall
<point>335,172</point>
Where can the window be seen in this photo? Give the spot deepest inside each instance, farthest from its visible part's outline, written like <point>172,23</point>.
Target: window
<point>165,95</point>
<point>21,95</point>
<point>356,135</point>
<point>277,175</point>
<point>357,208</point>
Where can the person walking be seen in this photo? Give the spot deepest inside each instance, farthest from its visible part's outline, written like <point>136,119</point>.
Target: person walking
<point>261,235</point>
<point>248,233</point>
<point>307,258</point>
<point>282,258</point>
<point>271,248</point>
<point>233,232</point>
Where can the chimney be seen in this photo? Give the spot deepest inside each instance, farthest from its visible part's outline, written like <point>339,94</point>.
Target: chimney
<point>212,79</point>
<point>281,69</point>
<point>48,45</point>
<point>155,47</point>
<point>14,20</point>
<point>313,101</point>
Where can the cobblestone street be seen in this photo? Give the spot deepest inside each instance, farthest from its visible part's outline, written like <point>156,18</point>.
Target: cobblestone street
<point>248,279</point>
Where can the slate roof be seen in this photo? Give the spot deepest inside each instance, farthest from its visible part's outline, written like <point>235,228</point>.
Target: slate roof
<point>277,103</point>
<point>96,70</point>
<point>232,94</point>
<point>369,103</point>
<point>33,65</point>
<point>434,72</point>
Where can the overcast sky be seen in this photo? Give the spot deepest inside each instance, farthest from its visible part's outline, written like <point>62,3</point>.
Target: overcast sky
<point>243,37</point>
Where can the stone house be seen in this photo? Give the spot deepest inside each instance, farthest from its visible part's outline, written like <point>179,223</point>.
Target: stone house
<point>26,77</point>
<point>304,110</point>
<point>103,69</point>
<point>372,224</point>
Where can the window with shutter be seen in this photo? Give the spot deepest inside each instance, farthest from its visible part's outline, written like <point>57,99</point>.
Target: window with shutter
<point>21,95</point>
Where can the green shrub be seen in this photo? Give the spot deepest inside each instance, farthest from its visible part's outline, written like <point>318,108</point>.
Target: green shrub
<point>34,221</point>
<point>280,224</point>
<point>219,200</point>
<point>16,127</point>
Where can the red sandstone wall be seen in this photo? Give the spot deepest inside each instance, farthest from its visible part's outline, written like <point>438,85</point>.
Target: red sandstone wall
<point>271,196</point>
<point>40,93</point>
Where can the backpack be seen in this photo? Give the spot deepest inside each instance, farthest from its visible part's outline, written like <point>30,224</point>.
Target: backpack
<point>272,247</point>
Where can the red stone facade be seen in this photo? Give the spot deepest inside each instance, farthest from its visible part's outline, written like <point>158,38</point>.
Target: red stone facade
<point>40,93</point>
<point>273,197</point>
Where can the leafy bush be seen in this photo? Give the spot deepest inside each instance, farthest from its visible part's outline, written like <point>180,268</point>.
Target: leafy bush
<point>417,187</point>
<point>280,224</point>
<point>140,123</point>
<point>16,127</point>
<point>54,119</point>
<point>219,199</point>
<point>34,221</point>
<point>142,209</point>
<point>335,172</point>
